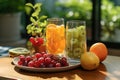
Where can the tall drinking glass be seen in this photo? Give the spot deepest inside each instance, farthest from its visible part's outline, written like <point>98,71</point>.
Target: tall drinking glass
<point>55,36</point>
<point>75,39</point>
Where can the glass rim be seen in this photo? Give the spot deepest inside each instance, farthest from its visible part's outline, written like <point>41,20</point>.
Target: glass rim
<point>55,19</point>
<point>76,21</point>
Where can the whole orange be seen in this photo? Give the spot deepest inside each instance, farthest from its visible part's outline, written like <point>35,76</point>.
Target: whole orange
<point>100,50</point>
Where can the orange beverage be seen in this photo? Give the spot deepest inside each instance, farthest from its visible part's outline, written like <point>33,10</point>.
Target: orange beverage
<point>55,36</point>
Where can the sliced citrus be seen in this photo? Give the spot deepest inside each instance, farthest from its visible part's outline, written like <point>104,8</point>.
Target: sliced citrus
<point>51,25</point>
<point>55,36</point>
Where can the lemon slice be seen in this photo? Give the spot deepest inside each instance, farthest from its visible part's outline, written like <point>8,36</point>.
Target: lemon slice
<point>18,51</point>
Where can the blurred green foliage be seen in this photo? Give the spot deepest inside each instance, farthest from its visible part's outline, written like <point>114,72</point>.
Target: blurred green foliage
<point>82,10</point>
<point>110,19</point>
<point>75,9</point>
<point>69,10</point>
<point>11,6</point>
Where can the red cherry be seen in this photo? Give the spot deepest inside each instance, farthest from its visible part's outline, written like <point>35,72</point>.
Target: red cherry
<point>50,55</point>
<point>44,55</point>
<point>64,58</point>
<point>32,40</point>
<point>28,58</point>
<point>56,58</point>
<point>20,63</point>
<point>37,43</point>
<point>22,58</point>
<point>40,40</point>
<point>31,64</point>
<point>41,60</point>
<point>64,62</point>
<point>58,65</point>
<point>47,60</point>
<point>53,62</point>
<point>36,64</point>
<point>38,55</point>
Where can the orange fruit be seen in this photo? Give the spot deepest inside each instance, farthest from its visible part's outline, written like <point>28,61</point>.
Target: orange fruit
<point>89,61</point>
<point>55,37</point>
<point>51,25</point>
<point>100,50</point>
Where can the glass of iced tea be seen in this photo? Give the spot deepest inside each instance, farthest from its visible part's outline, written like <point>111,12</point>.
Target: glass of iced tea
<point>55,36</point>
<point>75,38</point>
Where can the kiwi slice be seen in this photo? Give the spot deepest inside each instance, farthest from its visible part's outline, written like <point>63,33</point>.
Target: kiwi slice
<point>18,51</point>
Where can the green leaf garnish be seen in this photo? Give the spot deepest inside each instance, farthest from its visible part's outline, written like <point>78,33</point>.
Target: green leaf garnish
<point>38,23</point>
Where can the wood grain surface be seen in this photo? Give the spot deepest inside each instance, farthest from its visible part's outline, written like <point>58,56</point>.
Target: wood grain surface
<point>107,70</point>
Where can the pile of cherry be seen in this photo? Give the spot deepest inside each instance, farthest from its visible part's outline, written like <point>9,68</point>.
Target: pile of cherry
<point>42,60</point>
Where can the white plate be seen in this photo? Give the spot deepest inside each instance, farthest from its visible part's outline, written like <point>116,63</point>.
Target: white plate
<point>72,64</point>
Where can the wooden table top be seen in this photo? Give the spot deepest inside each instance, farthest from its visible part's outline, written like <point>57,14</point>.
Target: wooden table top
<point>108,70</point>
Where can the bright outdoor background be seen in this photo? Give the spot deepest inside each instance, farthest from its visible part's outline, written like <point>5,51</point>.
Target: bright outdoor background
<point>82,10</point>
<point>109,14</point>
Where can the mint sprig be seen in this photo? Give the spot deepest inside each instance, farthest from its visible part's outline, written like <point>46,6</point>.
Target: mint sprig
<point>38,23</point>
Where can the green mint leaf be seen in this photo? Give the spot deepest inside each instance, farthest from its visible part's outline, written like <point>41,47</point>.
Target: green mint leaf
<point>38,23</point>
<point>39,30</point>
<point>32,20</point>
<point>29,4</point>
<point>42,17</point>
<point>28,10</point>
<point>43,24</point>
<point>37,5</point>
<point>35,14</point>
<point>28,26</point>
<point>29,31</point>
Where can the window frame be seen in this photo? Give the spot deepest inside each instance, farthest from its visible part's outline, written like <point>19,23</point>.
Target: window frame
<point>96,27</point>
